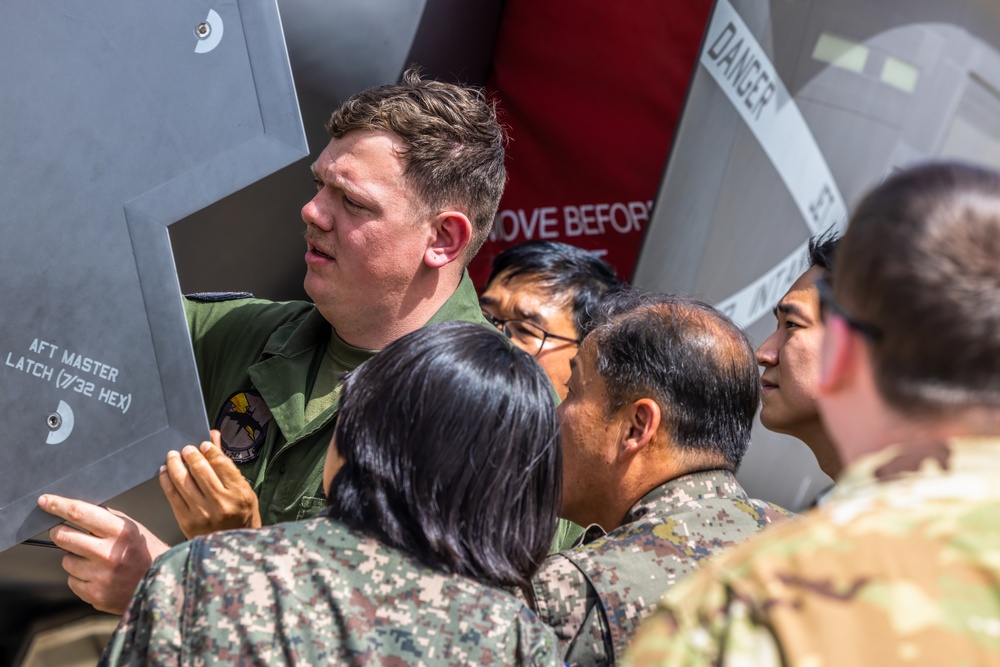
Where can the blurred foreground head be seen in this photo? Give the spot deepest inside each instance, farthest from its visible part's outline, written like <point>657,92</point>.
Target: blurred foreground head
<point>913,317</point>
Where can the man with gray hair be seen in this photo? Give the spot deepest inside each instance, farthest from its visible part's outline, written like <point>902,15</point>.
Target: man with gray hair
<point>661,400</point>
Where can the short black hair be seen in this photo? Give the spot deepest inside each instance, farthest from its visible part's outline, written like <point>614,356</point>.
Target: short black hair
<point>566,271</point>
<point>822,249</point>
<point>451,453</point>
<point>691,359</point>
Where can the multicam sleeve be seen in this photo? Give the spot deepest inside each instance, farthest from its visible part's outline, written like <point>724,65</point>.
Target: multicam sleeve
<point>702,622</point>
<point>151,631</point>
<point>566,602</point>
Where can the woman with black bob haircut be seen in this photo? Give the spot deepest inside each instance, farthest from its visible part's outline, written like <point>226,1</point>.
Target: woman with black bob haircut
<point>443,479</point>
<point>449,450</point>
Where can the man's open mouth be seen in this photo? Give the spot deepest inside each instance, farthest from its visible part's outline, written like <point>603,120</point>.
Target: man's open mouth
<point>319,252</point>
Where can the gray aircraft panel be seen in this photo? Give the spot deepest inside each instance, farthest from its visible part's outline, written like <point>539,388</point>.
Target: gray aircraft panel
<point>861,87</point>
<point>251,240</point>
<point>336,49</point>
<point>116,121</point>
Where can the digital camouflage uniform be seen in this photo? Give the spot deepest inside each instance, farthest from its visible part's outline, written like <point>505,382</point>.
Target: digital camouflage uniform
<point>900,566</point>
<point>317,593</point>
<point>594,595</point>
<point>258,361</point>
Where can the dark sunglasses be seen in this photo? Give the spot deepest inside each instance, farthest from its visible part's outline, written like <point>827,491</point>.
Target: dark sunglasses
<point>828,304</point>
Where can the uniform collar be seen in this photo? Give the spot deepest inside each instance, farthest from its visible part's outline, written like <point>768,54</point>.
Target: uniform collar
<point>977,457</point>
<point>462,305</point>
<point>675,495</point>
<point>294,351</point>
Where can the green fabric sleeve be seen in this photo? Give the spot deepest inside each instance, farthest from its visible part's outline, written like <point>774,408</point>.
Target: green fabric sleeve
<point>567,533</point>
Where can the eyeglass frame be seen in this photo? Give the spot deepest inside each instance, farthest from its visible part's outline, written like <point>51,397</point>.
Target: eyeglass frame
<point>503,326</point>
<point>826,300</point>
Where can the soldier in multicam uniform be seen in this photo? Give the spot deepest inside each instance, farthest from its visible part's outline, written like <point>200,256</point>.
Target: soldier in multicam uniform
<point>901,566</point>
<point>661,401</point>
<point>433,519</point>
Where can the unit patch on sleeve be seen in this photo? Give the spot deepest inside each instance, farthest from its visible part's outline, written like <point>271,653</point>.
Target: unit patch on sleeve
<point>243,422</point>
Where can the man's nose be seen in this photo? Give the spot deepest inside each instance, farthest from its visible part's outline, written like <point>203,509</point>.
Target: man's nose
<point>767,353</point>
<point>312,214</point>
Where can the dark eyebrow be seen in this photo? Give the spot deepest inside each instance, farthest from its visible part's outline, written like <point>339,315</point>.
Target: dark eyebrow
<point>525,315</point>
<point>519,314</point>
<point>790,309</point>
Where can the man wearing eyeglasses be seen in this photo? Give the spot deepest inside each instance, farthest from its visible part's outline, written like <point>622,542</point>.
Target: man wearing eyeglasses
<point>900,565</point>
<point>543,295</point>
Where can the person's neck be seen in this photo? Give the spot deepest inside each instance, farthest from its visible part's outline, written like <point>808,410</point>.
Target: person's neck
<point>818,440</point>
<point>604,504</point>
<point>898,429</point>
<point>381,322</point>
<point>641,480</point>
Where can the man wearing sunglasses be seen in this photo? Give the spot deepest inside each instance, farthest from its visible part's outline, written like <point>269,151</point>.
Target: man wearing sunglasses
<point>899,565</point>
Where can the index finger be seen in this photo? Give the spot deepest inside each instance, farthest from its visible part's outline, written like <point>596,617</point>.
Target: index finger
<point>94,519</point>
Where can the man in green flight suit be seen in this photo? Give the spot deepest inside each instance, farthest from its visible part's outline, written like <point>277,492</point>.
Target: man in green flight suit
<point>406,192</point>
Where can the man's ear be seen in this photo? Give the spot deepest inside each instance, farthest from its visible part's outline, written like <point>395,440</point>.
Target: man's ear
<point>641,420</point>
<point>451,232</point>
<point>838,357</point>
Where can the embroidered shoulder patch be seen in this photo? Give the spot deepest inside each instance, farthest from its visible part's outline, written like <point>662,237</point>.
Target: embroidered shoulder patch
<point>243,422</point>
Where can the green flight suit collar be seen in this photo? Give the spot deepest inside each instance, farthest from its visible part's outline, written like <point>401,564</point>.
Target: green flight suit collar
<point>294,351</point>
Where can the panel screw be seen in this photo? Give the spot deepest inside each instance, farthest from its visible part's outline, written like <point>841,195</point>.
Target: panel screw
<point>203,30</point>
<point>54,421</point>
